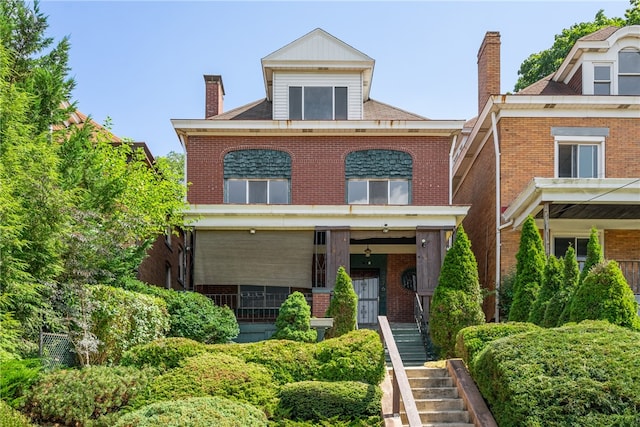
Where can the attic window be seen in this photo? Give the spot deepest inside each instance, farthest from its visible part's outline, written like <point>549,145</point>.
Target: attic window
<point>602,80</point>
<point>317,103</point>
<point>629,72</point>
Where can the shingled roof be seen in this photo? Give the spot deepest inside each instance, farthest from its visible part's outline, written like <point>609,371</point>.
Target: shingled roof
<point>601,34</point>
<point>262,110</point>
<point>547,86</point>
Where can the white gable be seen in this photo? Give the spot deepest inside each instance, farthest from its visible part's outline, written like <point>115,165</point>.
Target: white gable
<point>321,53</point>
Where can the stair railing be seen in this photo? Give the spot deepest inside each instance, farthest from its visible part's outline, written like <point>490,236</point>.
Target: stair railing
<point>400,381</point>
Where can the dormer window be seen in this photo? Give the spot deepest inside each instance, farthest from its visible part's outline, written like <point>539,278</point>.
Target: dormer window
<point>629,72</point>
<point>317,103</point>
<point>602,79</point>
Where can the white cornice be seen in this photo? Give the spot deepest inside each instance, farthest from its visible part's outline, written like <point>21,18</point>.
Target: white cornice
<point>302,217</point>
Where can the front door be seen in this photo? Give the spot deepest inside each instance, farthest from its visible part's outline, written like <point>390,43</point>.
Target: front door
<point>366,285</point>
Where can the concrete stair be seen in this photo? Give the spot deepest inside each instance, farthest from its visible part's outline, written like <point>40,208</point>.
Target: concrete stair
<point>437,399</point>
<point>409,343</point>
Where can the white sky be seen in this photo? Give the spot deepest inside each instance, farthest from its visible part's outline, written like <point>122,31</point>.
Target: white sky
<point>141,63</point>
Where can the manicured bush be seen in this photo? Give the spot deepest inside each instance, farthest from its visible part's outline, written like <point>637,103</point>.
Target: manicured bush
<point>473,339</point>
<point>585,374</point>
<point>294,320</point>
<point>605,295</point>
<point>9,417</point>
<point>530,262</point>
<point>16,377</point>
<point>317,400</point>
<point>505,295</point>
<point>165,353</point>
<point>193,315</point>
<point>556,312</point>
<point>211,374</point>
<point>343,307</point>
<point>457,300</point>
<point>594,254</point>
<point>288,361</point>
<point>195,412</point>
<point>356,356</point>
<point>551,284</point>
<point>122,319</point>
<point>81,396</point>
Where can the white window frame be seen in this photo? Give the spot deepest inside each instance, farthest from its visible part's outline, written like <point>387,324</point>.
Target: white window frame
<point>598,141</point>
<point>609,81</point>
<point>388,181</point>
<point>246,191</point>
<point>620,73</point>
<point>577,235</point>
<point>333,100</point>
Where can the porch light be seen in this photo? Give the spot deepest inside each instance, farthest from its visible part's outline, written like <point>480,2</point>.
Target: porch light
<point>367,252</point>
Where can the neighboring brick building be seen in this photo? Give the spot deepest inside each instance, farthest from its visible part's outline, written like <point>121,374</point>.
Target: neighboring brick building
<point>315,176</point>
<point>565,150</point>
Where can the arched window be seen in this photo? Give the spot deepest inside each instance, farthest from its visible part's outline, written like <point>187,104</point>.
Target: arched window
<point>257,176</point>
<point>379,177</point>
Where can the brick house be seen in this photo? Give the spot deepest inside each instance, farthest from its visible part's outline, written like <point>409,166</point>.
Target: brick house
<point>564,150</point>
<point>314,176</point>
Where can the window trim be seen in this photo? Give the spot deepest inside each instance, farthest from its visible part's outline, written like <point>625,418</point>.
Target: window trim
<point>302,97</point>
<point>388,181</point>
<point>626,74</point>
<point>246,193</point>
<point>575,235</point>
<point>609,81</point>
<point>598,141</point>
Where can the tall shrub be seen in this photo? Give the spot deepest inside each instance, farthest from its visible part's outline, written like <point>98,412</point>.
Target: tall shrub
<point>605,295</point>
<point>556,312</point>
<point>343,307</point>
<point>294,320</point>
<point>594,254</point>
<point>457,300</point>
<point>553,278</point>
<point>530,262</point>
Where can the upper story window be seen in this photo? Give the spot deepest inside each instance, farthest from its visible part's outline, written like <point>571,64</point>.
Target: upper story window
<point>317,103</point>
<point>379,177</point>
<point>257,176</point>
<point>629,72</point>
<point>579,158</point>
<point>602,79</point>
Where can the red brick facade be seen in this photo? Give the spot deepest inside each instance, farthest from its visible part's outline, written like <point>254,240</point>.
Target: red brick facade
<point>400,301</point>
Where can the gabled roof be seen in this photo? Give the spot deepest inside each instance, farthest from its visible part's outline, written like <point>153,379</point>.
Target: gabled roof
<point>317,50</point>
<point>547,86</point>
<point>262,110</point>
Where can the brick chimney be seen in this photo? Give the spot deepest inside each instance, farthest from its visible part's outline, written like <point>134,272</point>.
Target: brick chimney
<point>214,94</point>
<point>488,68</point>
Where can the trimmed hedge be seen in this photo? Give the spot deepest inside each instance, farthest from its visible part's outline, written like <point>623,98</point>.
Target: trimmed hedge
<point>473,339</point>
<point>585,374</point>
<point>73,397</point>
<point>165,353</point>
<point>294,320</point>
<point>16,377</point>
<point>343,307</point>
<point>195,412</point>
<point>317,400</point>
<point>9,417</point>
<point>212,374</point>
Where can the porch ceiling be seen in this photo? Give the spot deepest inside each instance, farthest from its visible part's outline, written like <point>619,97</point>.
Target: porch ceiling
<point>592,211</point>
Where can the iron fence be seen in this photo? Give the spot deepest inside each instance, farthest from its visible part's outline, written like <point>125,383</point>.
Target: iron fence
<point>254,306</point>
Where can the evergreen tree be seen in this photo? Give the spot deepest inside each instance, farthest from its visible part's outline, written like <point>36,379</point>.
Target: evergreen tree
<point>552,282</point>
<point>457,300</point>
<point>343,307</point>
<point>594,254</point>
<point>557,313</point>
<point>530,262</point>
<point>294,320</point>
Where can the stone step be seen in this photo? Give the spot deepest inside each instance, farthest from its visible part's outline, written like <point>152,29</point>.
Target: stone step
<point>436,393</point>
<point>438,404</point>
<point>422,383</point>
<point>440,417</point>
<point>427,372</point>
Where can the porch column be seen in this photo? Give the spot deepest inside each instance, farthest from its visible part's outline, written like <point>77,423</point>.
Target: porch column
<point>430,251</point>
<point>338,240</point>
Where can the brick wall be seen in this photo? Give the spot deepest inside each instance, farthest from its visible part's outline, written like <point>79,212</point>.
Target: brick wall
<point>399,300</point>
<point>152,270</point>
<point>318,165</point>
<point>622,245</point>
<point>320,304</point>
<point>488,68</point>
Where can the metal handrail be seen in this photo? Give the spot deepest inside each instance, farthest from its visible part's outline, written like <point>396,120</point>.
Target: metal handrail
<point>401,386</point>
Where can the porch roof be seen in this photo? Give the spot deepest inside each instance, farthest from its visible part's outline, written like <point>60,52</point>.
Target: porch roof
<point>586,199</point>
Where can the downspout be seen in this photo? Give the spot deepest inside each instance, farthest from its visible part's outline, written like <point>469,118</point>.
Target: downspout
<point>496,147</point>
<point>453,147</point>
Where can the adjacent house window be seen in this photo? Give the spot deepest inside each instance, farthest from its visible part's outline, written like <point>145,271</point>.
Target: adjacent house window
<point>317,103</point>
<point>267,191</point>
<point>602,79</point>
<point>629,72</point>
<point>578,159</point>
<point>378,177</point>
<point>167,276</point>
<point>257,176</point>
<point>377,192</point>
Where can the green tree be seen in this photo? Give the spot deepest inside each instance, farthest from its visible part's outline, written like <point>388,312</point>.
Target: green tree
<point>343,307</point>
<point>294,320</point>
<point>594,254</point>
<point>605,295</point>
<point>539,65</point>
<point>530,262</point>
<point>457,300</point>
<point>555,313</point>
<point>552,282</point>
